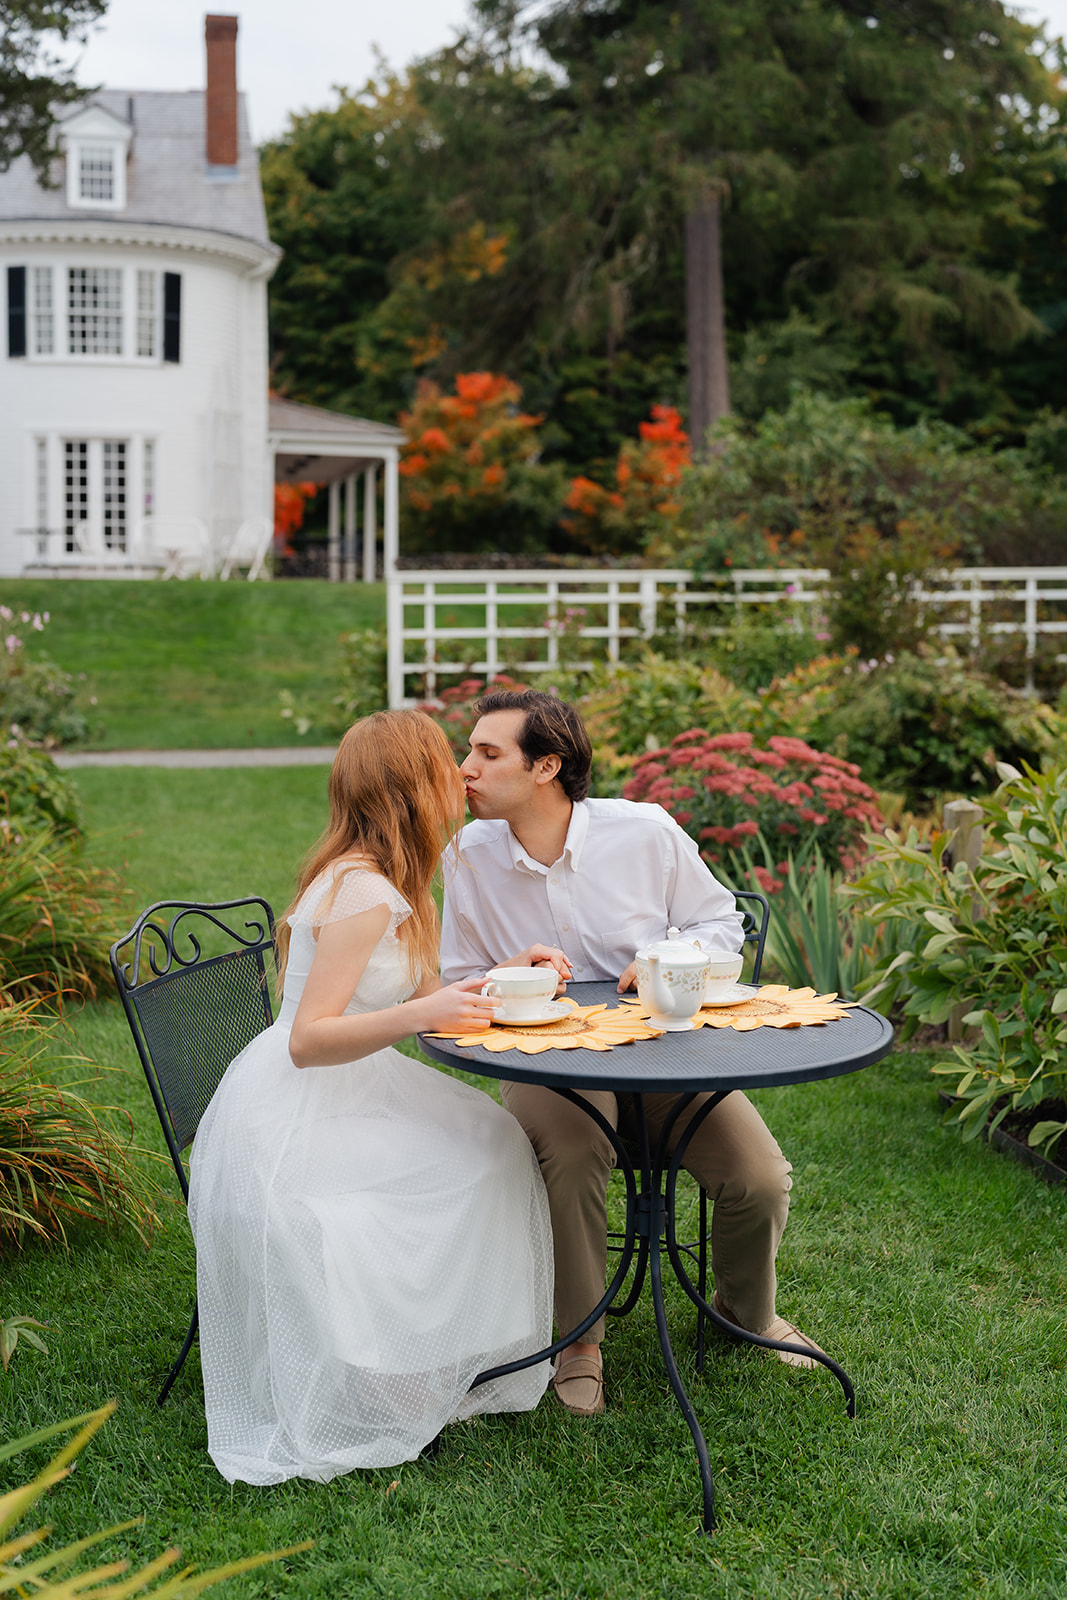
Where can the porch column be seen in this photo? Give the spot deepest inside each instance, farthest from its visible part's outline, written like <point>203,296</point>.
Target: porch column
<point>391,528</point>
<point>333,534</point>
<point>350,529</point>
<point>370,530</point>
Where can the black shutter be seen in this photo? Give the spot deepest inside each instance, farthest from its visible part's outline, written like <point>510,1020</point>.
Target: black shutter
<point>16,311</point>
<point>172,316</point>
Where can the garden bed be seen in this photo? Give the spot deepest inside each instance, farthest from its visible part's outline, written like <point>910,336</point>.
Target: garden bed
<point>1012,1134</point>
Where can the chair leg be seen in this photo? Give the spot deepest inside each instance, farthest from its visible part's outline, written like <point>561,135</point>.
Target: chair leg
<point>186,1347</point>
<point>702,1276</point>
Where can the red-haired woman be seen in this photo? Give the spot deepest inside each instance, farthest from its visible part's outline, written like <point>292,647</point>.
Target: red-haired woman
<point>370,1233</point>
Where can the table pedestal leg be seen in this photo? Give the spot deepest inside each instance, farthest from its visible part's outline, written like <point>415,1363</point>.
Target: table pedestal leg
<point>705,1308</point>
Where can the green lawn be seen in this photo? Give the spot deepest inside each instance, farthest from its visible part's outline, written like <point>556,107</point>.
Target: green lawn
<point>934,1272</point>
<point>194,665</point>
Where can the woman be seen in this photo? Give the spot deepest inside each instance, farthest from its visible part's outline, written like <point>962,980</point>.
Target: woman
<point>370,1233</point>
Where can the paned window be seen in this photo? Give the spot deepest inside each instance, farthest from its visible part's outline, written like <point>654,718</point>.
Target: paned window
<point>94,311</point>
<point>96,172</point>
<point>113,495</point>
<point>44,322</point>
<point>147,314</point>
<point>75,490</point>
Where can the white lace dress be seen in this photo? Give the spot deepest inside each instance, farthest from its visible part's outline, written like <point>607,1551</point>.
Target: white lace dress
<point>368,1238</point>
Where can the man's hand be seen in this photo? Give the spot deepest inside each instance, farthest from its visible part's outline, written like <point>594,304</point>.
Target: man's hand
<point>542,955</point>
<point>628,979</point>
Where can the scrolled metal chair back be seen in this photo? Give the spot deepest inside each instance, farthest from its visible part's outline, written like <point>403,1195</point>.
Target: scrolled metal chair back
<point>195,982</point>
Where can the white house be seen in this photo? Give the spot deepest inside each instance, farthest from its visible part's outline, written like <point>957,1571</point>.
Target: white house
<point>135,429</point>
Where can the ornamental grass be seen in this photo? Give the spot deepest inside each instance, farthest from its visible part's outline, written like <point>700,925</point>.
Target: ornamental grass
<point>62,1160</point>
<point>58,917</point>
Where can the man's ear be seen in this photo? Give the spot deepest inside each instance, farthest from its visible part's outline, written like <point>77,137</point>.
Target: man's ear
<point>546,769</point>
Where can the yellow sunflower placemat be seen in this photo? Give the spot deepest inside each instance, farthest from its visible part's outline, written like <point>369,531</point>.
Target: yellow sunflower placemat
<point>774,1006</point>
<point>583,1028</point>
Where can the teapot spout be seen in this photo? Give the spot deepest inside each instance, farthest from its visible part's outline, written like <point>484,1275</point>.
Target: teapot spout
<point>662,998</point>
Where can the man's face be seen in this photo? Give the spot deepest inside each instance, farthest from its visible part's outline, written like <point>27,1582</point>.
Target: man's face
<point>499,783</point>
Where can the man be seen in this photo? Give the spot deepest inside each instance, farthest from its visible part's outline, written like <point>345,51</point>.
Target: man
<point>583,884</point>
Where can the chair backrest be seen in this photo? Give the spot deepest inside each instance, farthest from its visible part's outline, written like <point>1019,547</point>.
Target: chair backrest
<point>754,923</point>
<point>194,981</point>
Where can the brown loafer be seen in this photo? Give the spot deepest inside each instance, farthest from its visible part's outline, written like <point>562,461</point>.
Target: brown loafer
<point>779,1329</point>
<point>579,1386</point>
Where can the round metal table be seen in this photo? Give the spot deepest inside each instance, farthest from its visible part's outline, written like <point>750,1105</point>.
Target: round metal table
<point>714,1061</point>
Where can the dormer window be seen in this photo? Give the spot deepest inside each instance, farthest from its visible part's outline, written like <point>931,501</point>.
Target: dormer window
<point>96,143</point>
<point>96,173</point>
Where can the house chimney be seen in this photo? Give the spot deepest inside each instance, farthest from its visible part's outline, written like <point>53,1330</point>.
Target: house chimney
<point>220,35</point>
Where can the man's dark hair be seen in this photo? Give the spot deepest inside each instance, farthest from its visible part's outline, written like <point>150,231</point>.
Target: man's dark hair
<point>550,727</point>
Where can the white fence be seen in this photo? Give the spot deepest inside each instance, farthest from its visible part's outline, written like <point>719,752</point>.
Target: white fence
<point>447,623</point>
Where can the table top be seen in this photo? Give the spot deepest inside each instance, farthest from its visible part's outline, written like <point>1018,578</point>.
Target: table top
<point>705,1059</point>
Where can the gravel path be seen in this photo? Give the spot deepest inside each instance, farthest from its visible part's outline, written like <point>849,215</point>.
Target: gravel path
<point>315,756</point>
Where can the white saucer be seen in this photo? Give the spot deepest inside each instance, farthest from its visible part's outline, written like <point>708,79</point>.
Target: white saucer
<point>552,1013</point>
<point>735,996</point>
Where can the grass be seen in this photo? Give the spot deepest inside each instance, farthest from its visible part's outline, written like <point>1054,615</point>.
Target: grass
<point>194,665</point>
<point>934,1272</point>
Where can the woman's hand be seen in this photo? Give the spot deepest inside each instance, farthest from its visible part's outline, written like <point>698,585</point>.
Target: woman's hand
<point>543,955</point>
<point>458,1008</point>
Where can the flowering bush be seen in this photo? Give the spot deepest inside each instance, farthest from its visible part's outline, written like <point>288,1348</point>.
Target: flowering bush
<point>36,697</point>
<point>34,794</point>
<point>724,790</point>
<point>644,500</point>
<point>471,473</point>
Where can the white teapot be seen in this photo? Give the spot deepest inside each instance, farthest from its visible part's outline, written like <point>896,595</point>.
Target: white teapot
<point>671,974</point>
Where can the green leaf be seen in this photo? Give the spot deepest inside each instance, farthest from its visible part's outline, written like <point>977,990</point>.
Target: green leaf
<point>1059,1002</point>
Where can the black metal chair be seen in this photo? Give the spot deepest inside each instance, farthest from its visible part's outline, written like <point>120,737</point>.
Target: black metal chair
<point>194,983</point>
<point>755,918</point>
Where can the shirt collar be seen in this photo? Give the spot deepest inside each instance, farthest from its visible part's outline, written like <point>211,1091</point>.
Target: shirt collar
<point>577,829</point>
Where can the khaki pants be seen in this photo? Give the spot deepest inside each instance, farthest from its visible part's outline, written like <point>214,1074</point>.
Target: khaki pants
<point>733,1156</point>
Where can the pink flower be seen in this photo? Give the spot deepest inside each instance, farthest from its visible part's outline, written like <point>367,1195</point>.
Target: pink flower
<point>682,817</point>
<point>730,741</point>
<point>744,829</point>
<point>793,749</point>
<point>688,736</point>
<point>13,642</point>
<point>683,792</point>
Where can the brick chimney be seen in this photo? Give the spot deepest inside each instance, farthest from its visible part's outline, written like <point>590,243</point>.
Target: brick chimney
<point>220,35</point>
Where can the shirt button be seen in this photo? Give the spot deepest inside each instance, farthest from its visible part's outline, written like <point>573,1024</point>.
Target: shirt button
<point>566,927</point>
<point>553,881</point>
<point>581,969</point>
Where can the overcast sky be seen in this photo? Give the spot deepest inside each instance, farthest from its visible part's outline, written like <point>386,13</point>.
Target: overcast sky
<point>290,55</point>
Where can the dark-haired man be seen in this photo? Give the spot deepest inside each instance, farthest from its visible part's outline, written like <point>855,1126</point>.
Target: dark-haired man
<point>551,876</point>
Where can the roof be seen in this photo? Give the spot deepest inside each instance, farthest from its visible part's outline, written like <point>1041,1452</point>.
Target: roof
<point>167,178</point>
<point>311,443</point>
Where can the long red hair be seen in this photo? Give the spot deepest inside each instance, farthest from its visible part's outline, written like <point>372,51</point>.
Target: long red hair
<point>395,798</point>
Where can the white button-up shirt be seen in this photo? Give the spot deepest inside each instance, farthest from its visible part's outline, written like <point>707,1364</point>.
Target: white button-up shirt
<point>627,873</point>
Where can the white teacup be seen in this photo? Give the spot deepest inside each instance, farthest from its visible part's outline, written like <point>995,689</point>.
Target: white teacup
<point>723,973</point>
<point>524,991</point>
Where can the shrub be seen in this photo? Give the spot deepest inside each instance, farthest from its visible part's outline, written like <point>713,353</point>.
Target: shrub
<point>58,917</point>
<point>36,696</point>
<point>62,1160</point>
<point>471,474</point>
<point>34,794</point>
<point>996,943</point>
<point>928,724</point>
<point>799,484</point>
<point>725,790</point>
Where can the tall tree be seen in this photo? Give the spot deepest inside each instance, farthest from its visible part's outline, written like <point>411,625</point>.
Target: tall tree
<point>34,83</point>
<point>870,132</point>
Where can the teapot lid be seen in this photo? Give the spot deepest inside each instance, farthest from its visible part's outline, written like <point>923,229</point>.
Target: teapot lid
<point>683,952</point>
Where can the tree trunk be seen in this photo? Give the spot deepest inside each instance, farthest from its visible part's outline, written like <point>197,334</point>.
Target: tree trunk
<point>709,383</point>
